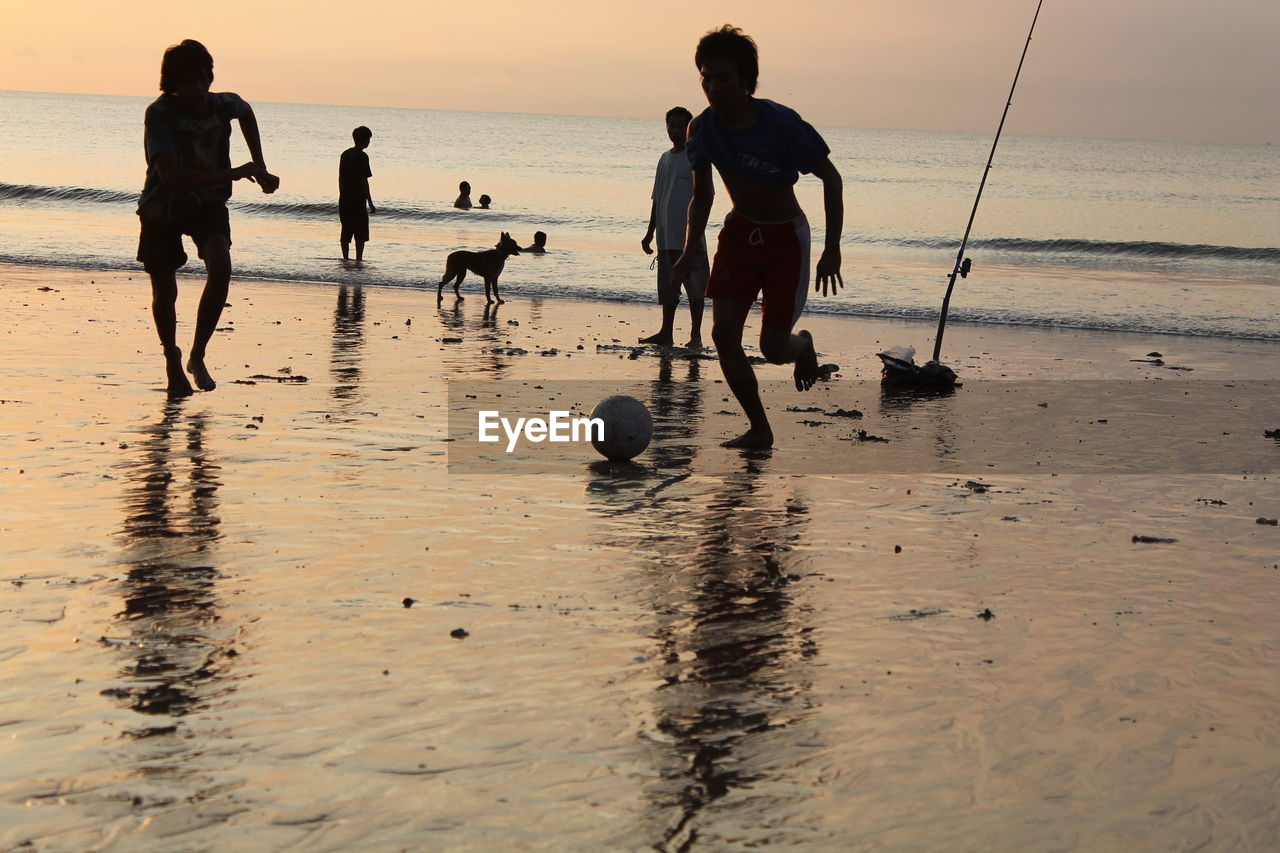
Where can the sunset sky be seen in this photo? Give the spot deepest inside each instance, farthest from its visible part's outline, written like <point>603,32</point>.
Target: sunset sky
<point>1161,69</point>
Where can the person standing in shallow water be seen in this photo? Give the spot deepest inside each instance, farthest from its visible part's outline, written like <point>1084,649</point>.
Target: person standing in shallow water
<point>354,194</point>
<point>189,176</point>
<point>759,148</point>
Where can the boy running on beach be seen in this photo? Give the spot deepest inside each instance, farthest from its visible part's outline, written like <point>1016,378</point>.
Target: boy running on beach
<point>354,194</point>
<point>759,148</point>
<point>672,189</point>
<point>189,176</point>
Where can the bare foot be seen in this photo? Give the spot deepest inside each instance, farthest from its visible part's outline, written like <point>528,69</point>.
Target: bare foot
<point>195,366</point>
<point>694,343</point>
<point>660,339</point>
<point>806,369</point>
<point>752,439</point>
<point>178,384</point>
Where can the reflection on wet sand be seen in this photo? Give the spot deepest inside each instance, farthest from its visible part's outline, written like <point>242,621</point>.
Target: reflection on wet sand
<point>676,407</point>
<point>490,356</point>
<point>348,345</point>
<point>933,412</point>
<point>176,651</point>
<point>732,645</point>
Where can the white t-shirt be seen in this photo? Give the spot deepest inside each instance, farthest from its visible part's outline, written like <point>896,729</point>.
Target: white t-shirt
<point>672,190</point>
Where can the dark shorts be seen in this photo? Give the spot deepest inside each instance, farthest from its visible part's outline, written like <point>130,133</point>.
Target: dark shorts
<point>768,259</point>
<point>355,221</point>
<point>695,287</point>
<point>160,243</point>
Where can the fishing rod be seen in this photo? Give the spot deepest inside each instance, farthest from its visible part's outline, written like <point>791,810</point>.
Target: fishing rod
<point>963,264</point>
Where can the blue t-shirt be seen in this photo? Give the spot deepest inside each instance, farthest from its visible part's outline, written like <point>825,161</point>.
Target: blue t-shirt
<point>200,142</point>
<point>774,150</point>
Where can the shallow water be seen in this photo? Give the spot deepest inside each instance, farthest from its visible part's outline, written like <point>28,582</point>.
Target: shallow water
<point>1079,233</point>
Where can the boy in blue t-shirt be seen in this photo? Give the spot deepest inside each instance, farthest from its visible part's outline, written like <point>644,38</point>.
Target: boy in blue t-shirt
<point>189,177</point>
<point>759,148</point>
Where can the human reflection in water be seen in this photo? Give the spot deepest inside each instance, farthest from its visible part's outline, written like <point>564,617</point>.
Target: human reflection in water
<point>676,407</point>
<point>177,648</point>
<point>732,648</point>
<point>348,345</point>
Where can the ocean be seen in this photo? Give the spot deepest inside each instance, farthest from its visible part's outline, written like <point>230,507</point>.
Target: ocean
<point>1123,235</point>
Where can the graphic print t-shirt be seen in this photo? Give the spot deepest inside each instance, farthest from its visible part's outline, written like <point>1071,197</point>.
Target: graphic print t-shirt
<point>200,142</point>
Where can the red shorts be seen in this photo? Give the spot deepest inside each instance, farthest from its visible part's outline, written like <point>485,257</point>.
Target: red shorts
<point>763,257</point>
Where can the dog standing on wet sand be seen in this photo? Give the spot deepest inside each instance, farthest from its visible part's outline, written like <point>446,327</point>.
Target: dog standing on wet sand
<point>488,265</point>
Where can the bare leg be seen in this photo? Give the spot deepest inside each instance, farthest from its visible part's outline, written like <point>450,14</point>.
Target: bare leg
<point>781,347</point>
<point>728,317</point>
<point>359,251</point>
<point>665,336</point>
<point>695,321</point>
<point>217,260</point>
<point>806,360</point>
<point>346,250</point>
<point>164,296</point>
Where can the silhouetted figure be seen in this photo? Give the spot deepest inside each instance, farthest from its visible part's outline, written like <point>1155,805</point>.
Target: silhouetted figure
<point>354,195</point>
<point>668,215</point>
<point>189,177</point>
<point>484,202</point>
<point>463,201</point>
<point>759,148</point>
<point>539,243</point>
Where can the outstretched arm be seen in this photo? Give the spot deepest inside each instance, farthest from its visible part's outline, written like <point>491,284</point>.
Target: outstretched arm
<point>833,204</point>
<point>249,127</point>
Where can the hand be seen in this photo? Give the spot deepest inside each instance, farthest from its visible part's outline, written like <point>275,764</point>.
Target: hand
<point>829,271</point>
<point>372,209</point>
<point>647,244</point>
<point>269,182</point>
<point>680,270</point>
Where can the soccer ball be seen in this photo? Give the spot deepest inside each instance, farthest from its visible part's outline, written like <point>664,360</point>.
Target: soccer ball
<point>627,427</point>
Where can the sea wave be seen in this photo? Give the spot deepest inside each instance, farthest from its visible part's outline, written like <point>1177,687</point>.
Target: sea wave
<point>305,210</point>
<point>1143,249</point>
<point>1119,250</point>
<point>27,192</point>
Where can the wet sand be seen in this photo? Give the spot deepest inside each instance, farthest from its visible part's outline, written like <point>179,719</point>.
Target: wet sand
<point>228,622</point>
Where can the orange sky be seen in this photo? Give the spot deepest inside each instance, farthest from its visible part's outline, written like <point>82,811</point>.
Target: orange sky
<point>1177,69</point>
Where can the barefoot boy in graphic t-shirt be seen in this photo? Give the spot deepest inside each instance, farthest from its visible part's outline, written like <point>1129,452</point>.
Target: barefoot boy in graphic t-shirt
<point>189,176</point>
<point>759,148</point>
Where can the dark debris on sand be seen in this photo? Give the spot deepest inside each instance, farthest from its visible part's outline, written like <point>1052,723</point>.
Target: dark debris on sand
<point>913,614</point>
<point>863,435</point>
<point>295,379</point>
